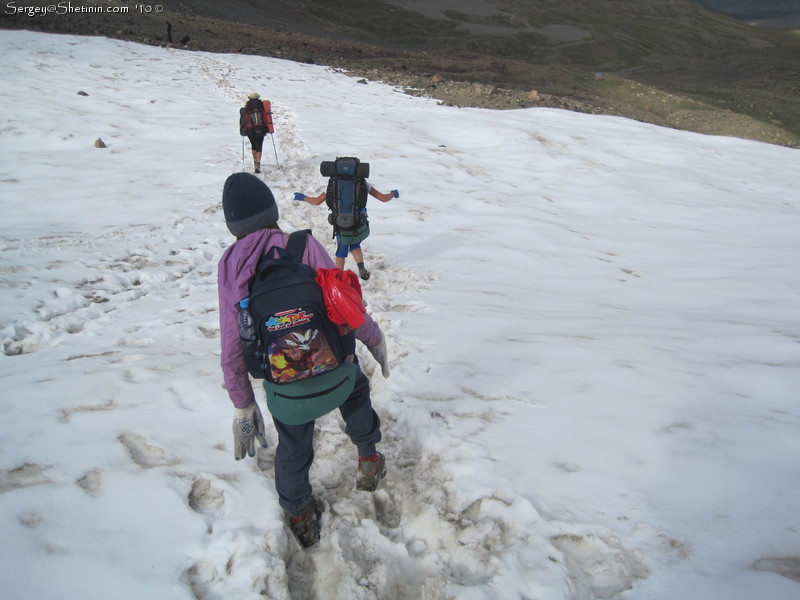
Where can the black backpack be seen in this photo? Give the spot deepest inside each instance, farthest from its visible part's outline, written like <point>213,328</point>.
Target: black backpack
<point>346,195</point>
<point>296,339</point>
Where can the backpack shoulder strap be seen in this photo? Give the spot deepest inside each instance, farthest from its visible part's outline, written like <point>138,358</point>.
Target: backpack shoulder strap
<point>296,246</point>
<point>279,257</point>
<point>362,193</point>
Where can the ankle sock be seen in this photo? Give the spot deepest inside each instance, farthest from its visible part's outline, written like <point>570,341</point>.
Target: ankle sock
<point>295,520</point>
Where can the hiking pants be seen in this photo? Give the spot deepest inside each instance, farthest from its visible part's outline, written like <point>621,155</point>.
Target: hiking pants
<point>295,451</point>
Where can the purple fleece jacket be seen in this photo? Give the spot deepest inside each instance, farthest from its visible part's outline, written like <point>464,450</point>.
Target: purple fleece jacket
<point>236,268</point>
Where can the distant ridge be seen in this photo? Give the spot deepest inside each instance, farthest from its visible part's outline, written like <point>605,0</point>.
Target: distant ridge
<point>672,63</point>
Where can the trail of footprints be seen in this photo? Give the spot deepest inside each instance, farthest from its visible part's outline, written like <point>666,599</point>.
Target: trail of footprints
<point>70,307</point>
<point>365,536</point>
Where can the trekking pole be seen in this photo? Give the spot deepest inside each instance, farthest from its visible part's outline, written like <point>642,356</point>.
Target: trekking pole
<point>272,137</point>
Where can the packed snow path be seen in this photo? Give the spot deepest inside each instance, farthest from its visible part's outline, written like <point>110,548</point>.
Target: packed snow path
<point>117,472</point>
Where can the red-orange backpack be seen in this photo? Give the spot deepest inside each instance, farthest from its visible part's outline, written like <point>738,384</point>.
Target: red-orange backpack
<point>255,118</point>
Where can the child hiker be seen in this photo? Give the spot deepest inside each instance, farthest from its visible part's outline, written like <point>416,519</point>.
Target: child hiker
<point>346,197</point>
<point>251,215</point>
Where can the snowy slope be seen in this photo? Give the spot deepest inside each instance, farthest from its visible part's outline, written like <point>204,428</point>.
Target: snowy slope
<point>592,323</point>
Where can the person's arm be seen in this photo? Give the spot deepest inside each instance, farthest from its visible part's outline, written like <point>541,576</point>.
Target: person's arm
<point>383,197</point>
<point>235,376</point>
<point>315,200</point>
<point>248,423</point>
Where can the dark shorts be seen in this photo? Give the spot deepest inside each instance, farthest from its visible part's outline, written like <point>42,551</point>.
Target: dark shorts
<point>343,249</point>
<point>256,141</point>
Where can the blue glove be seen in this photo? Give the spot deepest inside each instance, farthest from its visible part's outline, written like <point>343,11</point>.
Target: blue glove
<point>299,197</point>
<point>395,193</point>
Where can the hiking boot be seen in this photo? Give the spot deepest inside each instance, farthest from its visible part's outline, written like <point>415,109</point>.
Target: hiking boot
<point>371,469</point>
<point>257,166</point>
<point>306,526</point>
<point>363,273</point>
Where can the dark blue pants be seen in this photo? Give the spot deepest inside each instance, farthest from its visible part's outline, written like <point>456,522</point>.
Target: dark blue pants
<point>295,451</point>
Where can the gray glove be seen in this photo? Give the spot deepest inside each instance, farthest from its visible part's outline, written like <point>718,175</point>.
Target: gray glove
<point>248,424</point>
<point>379,354</point>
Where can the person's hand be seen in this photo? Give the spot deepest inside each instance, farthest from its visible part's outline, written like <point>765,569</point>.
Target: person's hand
<point>395,193</point>
<point>299,197</point>
<point>248,424</point>
<point>379,354</point>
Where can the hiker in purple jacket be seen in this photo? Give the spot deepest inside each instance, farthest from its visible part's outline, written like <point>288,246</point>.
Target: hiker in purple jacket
<point>251,215</point>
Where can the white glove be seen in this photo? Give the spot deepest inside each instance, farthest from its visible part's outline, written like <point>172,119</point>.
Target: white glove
<point>379,354</point>
<point>248,424</point>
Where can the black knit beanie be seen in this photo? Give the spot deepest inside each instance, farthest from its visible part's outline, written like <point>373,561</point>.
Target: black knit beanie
<point>248,204</point>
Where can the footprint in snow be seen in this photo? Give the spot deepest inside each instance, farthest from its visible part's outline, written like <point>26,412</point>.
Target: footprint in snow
<point>599,567</point>
<point>144,453</point>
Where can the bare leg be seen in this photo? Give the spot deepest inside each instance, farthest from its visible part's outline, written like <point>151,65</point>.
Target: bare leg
<point>257,161</point>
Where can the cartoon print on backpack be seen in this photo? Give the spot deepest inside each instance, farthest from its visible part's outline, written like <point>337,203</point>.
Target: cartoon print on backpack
<point>255,122</point>
<point>346,197</point>
<point>298,355</point>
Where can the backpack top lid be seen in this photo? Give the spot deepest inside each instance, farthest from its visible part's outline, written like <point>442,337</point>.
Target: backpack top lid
<point>344,166</point>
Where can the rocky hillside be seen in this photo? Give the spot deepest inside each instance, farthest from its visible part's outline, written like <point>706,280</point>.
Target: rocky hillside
<point>668,62</point>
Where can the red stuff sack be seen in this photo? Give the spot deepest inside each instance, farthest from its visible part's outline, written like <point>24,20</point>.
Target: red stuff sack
<point>342,293</point>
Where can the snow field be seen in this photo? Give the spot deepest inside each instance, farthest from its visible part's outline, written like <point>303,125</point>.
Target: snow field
<point>591,324</point>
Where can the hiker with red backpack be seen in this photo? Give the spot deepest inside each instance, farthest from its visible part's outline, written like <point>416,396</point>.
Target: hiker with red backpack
<point>269,330</point>
<point>255,122</point>
<point>346,197</point>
